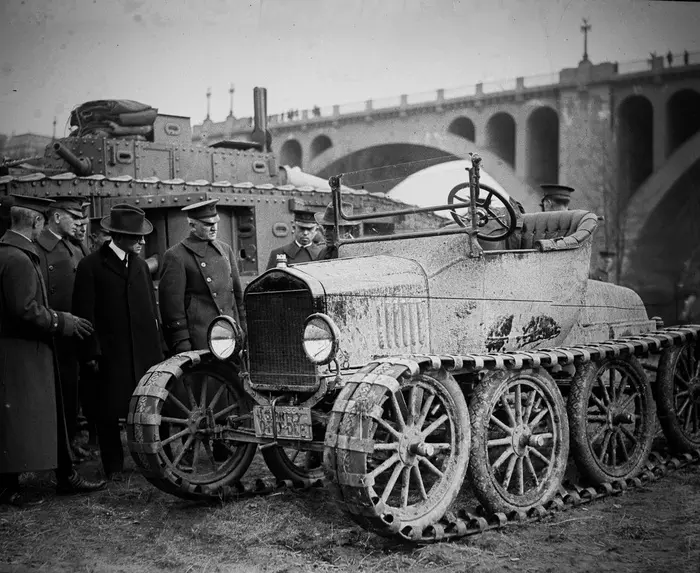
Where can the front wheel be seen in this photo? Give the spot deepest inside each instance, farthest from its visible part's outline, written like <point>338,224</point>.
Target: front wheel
<point>520,440</point>
<point>397,449</point>
<point>177,424</point>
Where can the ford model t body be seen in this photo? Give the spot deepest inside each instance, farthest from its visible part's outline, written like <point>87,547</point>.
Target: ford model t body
<point>414,362</point>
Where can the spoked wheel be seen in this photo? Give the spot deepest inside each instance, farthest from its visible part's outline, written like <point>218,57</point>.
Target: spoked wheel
<point>520,440</point>
<point>397,451</point>
<point>176,426</point>
<point>678,397</point>
<point>611,413</point>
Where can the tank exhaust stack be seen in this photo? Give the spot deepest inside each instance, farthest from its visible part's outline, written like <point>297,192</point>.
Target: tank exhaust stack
<point>260,134</point>
<point>80,165</point>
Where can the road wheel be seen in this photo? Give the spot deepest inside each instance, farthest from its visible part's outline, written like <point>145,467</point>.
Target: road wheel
<point>611,413</point>
<point>397,451</point>
<point>175,427</point>
<point>520,440</point>
<point>678,397</point>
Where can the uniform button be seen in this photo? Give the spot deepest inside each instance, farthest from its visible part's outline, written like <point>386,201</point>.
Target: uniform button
<point>53,290</point>
<point>50,267</point>
<point>208,279</point>
<point>214,295</point>
<point>204,264</point>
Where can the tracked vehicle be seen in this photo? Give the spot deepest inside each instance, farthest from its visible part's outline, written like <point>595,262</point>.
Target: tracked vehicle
<point>416,362</point>
<point>125,152</point>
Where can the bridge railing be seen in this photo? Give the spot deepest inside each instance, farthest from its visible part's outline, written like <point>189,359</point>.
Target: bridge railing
<point>658,62</point>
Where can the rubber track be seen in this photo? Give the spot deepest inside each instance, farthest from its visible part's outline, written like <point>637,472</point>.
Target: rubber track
<point>351,407</point>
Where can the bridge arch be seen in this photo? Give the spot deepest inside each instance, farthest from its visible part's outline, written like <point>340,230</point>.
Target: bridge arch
<point>683,117</point>
<point>291,153</point>
<point>319,145</point>
<point>635,140</point>
<point>660,230</point>
<point>463,127</point>
<point>542,148</point>
<point>438,147</point>
<point>500,136</point>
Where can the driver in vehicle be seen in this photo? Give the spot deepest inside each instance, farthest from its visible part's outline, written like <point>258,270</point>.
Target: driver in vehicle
<point>556,197</point>
<point>327,223</point>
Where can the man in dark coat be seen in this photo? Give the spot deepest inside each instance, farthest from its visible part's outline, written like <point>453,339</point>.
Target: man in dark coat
<point>302,249</point>
<point>59,258</point>
<point>31,438</point>
<point>113,289</point>
<point>200,281</point>
<point>327,223</point>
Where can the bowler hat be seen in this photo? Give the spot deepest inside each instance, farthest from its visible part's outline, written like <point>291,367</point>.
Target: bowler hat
<point>204,211</point>
<point>127,220</point>
<point>39,204</point>
<point>327,218</point>
<point>557,191</point>
<point>72,205</point>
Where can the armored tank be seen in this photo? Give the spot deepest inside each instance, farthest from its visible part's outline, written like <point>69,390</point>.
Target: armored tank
<point>126,152</point>
<point>418,362</point>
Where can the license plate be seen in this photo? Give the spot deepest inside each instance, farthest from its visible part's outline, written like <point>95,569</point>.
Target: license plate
<point>291,422</point>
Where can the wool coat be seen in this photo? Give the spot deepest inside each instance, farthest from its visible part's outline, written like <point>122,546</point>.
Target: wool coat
<point>28,435</point>
<point>295,254</point>
<point>200,281</point>
<point>58,259</point>
<point>120,303</point>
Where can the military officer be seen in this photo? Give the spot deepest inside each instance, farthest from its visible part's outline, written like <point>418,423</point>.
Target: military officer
<point>32,437</point>
<point>200,281</point>
<point>302,249</point>
<point>556,197</point>
<point>327,223</point>
<point>58,258</point>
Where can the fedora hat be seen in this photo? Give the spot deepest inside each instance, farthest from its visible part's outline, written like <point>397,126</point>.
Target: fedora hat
<point>128,220</point>
<point>326,218</point>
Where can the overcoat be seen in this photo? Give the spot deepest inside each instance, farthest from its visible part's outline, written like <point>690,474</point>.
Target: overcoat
<point>28,436</point>
<point>120,303</point>
<point>295,254</point>
<point>200,281</point>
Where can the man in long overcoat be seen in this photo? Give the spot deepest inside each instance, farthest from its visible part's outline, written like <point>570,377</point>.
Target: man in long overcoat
<point>31,438</point>
<point>200,281</point>
<point>302,249</point>
<point>113,289</point>
<point>59,258</point>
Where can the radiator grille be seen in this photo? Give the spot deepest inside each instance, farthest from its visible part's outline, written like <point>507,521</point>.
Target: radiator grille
<point>275,329</point>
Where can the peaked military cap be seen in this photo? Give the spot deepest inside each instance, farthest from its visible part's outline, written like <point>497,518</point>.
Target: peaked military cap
<point>204,211</point>
<point>555,190</point>
<point>128,220</point>
<point>304,218</point>
<point>72,205</point>
<point>38,204</point>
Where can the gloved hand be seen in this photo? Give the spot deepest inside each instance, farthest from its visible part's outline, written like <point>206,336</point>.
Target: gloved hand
<point>182,346</point>
<point>83,328</point>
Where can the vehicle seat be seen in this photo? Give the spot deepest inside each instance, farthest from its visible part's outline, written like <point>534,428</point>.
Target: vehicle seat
<point>554,230</point>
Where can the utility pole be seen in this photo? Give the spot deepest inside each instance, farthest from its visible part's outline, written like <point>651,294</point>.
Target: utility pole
<point>208,102</point>
<point>53,137</point>
<point>585,28</point>
<point>231,89</point>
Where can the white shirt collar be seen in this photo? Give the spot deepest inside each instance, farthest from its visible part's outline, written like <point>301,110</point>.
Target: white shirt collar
<point>55,234</point>
<point>20,234</point>
<point>117,251</point>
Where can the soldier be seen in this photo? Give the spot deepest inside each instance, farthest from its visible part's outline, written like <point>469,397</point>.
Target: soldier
<point>32,437</point>
<point>199,282</point>
<point>556,197</point>
<point>327,223</point>
<point>302,249</point>
<point>605,267</point>
<point>58,258</point>
<point>114,290</point>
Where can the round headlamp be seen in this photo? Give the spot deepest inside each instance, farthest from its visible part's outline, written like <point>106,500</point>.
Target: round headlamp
<point>321,338</point>
<point>224,337</point>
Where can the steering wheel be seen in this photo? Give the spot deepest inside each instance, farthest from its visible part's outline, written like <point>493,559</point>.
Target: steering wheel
<point>495,221</point>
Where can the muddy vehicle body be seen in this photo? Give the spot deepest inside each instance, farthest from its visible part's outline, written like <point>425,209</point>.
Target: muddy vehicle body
<point>417,361</point>
<point>124,152</point>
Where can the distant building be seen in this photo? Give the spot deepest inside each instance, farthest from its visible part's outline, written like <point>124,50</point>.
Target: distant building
<point>26,145</point>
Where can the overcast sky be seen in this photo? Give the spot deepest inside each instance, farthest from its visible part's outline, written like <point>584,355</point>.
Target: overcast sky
<point>57,54</point>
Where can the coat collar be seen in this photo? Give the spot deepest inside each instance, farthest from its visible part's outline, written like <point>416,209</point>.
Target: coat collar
<point>292,249</point>
<point>20,241</point>
<point>112,261</point>
<point>199,247</point>
<point>47,240</point>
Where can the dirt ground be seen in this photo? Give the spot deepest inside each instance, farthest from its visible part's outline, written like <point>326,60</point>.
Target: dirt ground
<point>131,527</point>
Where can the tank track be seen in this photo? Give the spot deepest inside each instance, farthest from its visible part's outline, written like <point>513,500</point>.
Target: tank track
<point>464,522</point>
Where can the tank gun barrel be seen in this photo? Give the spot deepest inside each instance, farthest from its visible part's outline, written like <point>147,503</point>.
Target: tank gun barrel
<point>80,165</point>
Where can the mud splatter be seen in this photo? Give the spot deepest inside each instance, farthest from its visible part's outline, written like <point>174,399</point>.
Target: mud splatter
<point>499,333</point>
